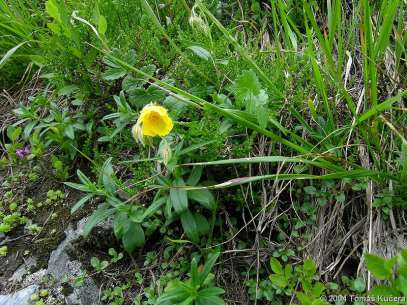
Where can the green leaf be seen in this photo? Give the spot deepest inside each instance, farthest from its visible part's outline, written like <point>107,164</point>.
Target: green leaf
<point>13,133</point>
<point>136,214</point>
<point>279,280</point>
<point>309,267</point>
<point>275,265</point>
<point>81,202</point>
<point>381,291</point>
<point>200,52</point>
<point>386,27</point>
<point>189,225</point>
<point>262,115</point>
<point>379,108</point>
<point>28,129</point>
<point>403,285</point>
<point>133,237</point>
<point>247,87</point>
<point>204,197</point>
<point>319,302</point>
<point>94,262</point>
<point>105,176</point>
<point>359,285</point>
<point>113,74</point>
<point>68,90</point>
<point>196,174</point>
<point>102,25</point>
<point>140,96</point>
<point>119,223</point>
<point>10,53</point>
<point>52,9</point>
<point>178,196</point>
<point>311,190</point>
<point>402,261</point>
<point>83,178</point>
<point>202,224</point>
<point>194,273</point>
<point>69,132</point>
<point>211,300</point>
<point>174,295</point>
<point>210,262</point>
<point>211,291</point>
<point>154,207</point>
<point>97,217</point>
<point>379,267</point>
<point>77,186</point>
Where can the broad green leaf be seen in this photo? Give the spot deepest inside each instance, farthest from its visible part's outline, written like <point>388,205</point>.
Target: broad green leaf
<point>52,9</point>
<point>379,267</point>
<point>211,291</point>
<point>279,280</point>
<point>133,237</point>
<point>113,74</point>
<point>196,174</point>
<point>105,176</point>
<point>173,296</point>
<point>275,265</point>
<point>311,190</point>
<point>403,284</point>
<point>402,261</point>
<point>102,25</point>
<point>200,52</point>
<point>69,132</point>
<point>97,217</point>
<point>189,225</point>
<point>178,196</point>
<point>202,224</point>
<point>204,197</point>
<point>309,267</point>
<point>359,285</point>
<point>154,207</point>
<point>211,300</point>
<point>381,291</point>
<point>68,90</point>
<point>119,222</point>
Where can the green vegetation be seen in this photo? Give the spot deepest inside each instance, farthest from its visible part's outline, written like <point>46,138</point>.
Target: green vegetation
<point>266,136</point>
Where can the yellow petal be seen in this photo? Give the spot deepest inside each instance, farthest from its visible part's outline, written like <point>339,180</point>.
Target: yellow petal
<point>155,121</point>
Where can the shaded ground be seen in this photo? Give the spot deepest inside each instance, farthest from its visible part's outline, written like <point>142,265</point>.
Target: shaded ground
<point>53,219</point>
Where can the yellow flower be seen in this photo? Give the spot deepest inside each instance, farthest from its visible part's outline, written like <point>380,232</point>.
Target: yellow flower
<point>153,121</point>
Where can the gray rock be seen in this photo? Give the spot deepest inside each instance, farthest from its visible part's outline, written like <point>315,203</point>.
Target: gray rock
<point>23,270</point>
<point>34,278</point>
<point>61,267</point>
<point>21,297</point>
<point>2,236</point>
